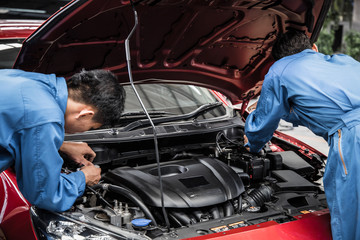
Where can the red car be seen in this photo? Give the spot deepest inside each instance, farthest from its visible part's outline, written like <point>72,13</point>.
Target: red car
<point>186,172</point>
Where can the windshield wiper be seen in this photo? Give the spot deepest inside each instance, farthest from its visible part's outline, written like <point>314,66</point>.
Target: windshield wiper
<point>194,114</point>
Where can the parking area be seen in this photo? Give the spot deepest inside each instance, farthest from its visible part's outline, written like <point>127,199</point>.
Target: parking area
<point>305,135</point>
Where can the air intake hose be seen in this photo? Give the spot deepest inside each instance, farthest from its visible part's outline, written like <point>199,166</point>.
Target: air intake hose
<point>257,197</point>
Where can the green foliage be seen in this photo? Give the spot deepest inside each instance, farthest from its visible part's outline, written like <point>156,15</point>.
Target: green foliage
<point>335,12</point>
<point>352,44</point>
<point>340,10</point>
<point>325,41</point>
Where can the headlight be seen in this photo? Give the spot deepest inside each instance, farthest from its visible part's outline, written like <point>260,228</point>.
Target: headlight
<point>57,226</point>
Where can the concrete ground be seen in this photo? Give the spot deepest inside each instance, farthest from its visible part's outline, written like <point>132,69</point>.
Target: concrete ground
<point>305,135</point>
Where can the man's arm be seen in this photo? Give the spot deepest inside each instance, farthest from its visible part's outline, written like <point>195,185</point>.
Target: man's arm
<point>271,107</point>
<point>39,165</point>
<point>293,118</point>
<point>79,152</point>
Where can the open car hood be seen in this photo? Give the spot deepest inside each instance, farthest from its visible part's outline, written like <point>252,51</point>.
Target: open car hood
<point>222,45</point>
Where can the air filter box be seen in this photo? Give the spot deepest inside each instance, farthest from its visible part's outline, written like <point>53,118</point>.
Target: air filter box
<point>290,160</point>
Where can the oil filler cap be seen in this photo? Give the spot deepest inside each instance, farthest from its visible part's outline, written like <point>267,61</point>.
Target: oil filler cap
<point>140,222</point>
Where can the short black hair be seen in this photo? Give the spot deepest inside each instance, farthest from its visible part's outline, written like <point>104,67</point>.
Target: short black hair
<point>100,89</point>
<point>289,43</point>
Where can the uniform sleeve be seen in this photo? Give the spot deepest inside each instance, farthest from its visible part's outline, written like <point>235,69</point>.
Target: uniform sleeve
<point>293,118</point>
<point>271,107</point>
<point>38,169</point>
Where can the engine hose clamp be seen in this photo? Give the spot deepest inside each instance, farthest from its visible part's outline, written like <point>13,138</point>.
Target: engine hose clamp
<point>105,186</point>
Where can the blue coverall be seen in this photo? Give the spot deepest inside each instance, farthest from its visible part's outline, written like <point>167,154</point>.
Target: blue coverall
<point>322,93</point>
<point>32,108</point>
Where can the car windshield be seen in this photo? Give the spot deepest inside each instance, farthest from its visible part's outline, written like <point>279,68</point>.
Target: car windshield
<point>170,99</point>
<point>159,99</point>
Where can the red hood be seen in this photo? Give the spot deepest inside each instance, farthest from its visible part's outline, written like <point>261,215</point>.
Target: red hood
<point>222,45</point>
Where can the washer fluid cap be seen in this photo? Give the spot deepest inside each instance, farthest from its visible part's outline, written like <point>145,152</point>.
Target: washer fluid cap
<point>140,222</point>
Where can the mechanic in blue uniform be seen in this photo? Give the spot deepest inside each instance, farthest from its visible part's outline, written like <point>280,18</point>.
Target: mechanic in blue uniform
<point>35,112</point>
<point>322,93</point>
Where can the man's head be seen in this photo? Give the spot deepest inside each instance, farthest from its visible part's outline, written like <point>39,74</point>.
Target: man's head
<point>289,43</point>
<point>95,99</point>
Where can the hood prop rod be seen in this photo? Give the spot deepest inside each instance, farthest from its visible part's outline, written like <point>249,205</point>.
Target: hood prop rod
<point>128,59</point>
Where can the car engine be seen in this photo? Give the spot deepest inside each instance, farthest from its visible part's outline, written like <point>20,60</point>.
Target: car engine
<point>210,183</point>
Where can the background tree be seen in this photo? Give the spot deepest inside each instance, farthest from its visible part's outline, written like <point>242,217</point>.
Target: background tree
<point>332,38</point>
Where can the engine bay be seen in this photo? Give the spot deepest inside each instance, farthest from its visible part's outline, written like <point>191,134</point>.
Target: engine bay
<point>210,183</point>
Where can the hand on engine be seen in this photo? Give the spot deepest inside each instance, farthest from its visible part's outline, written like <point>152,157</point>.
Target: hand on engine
<point>246,140</point>
<point>79,152</point>
<point>92,174</point>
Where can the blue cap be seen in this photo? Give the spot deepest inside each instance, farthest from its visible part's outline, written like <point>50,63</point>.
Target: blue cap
<point>141,222</point>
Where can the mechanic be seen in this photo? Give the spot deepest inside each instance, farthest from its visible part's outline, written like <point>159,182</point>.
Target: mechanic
<point>320,92</point>
<point>35,111</point>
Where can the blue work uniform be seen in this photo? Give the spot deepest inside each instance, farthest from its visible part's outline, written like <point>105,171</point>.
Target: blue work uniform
<point>322,93</point>
<point>32,108</point>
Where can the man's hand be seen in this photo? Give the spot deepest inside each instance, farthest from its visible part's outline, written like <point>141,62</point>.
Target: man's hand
<point>92,174</point>
<point>79,152</point>
<point>246,140</point>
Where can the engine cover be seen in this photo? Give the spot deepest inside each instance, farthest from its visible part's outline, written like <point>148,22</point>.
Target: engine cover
<point>187,183</point>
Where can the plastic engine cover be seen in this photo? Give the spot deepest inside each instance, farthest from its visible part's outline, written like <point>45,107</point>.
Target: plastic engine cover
<point>187,183</point>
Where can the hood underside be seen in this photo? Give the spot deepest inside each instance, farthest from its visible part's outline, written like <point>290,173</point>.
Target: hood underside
<point>222,45</point>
